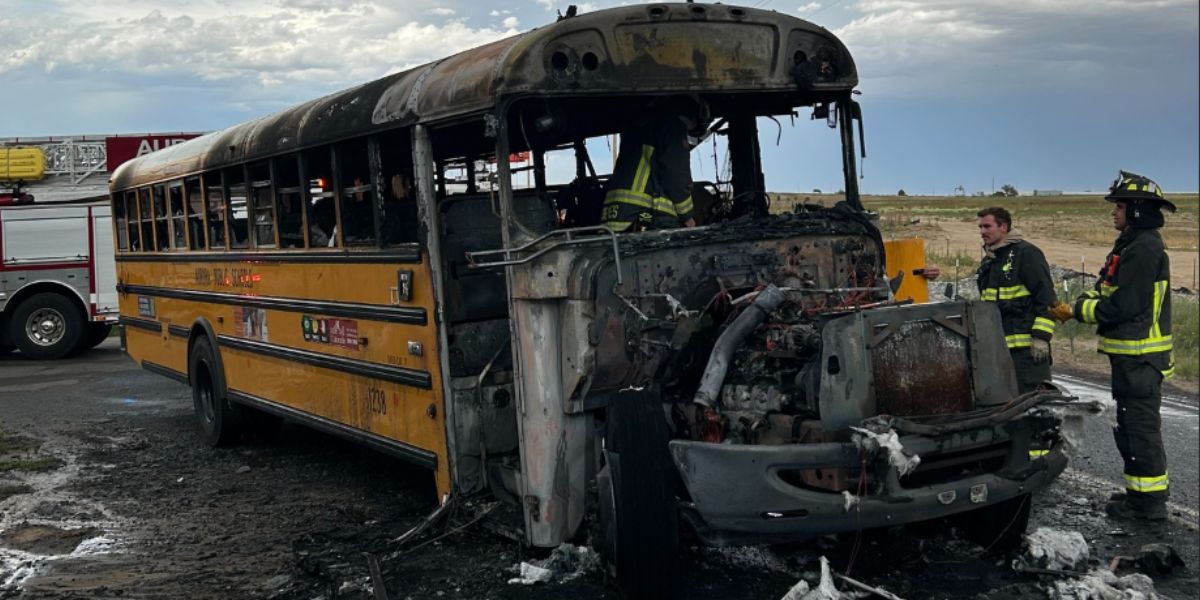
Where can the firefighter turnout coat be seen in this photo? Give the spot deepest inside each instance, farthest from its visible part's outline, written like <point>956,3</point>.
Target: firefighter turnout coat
<point>1017,279</point>
<point>651,182</point>
<point>1131,303</point>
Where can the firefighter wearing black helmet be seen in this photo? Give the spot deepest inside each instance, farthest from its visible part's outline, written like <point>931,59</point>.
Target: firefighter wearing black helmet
<point>651,184</point>
<point>1131,308</point>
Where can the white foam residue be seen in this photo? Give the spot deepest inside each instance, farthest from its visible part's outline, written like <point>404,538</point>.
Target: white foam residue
<point>1048,548</point>
<point>850,501</point>
<point>870,441</point>
<point>566,562</point>
<point>1102,584</point>
<point>825,590</point>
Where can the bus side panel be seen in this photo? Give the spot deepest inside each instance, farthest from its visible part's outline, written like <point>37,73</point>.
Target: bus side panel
<point>279,347</point>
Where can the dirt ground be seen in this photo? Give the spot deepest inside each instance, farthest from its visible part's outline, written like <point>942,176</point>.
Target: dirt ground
<point>134,506</point>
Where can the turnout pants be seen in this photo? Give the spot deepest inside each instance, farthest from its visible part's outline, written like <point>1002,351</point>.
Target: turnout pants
<point>1029,373</point>
<point>1137,388</point>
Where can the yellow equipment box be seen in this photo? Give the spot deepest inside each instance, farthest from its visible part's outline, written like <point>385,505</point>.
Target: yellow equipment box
<point>903,258</point>
<point>22,164</point>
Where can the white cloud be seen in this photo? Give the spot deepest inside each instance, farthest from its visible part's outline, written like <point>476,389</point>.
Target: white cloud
<point>511,23</point>
<point>913,46</point>
<point>324,47</point>
<point>441,11</point>
<point>811,6</point>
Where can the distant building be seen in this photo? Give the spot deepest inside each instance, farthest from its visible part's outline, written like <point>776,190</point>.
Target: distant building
<point>1047,192</point>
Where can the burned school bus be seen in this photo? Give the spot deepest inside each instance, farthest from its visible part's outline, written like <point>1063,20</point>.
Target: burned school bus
<point>353,263</point>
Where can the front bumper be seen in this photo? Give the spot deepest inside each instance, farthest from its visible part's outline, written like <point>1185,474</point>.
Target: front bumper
<point>738,496</point>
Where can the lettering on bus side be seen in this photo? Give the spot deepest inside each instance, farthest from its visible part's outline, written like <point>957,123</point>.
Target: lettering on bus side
<point>240,277</point>
<point>376,400</point>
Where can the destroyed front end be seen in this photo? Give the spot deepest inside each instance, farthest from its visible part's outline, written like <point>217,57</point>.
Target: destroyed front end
<point>802,399</point>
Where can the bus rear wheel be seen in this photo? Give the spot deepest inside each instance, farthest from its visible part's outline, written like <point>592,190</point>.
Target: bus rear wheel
<point>46,326</point>
<point>637,515</point>
<point>218,420</point>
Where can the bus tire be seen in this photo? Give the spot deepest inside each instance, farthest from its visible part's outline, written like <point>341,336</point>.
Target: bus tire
<point>638,517</point>
<point>96,334</point>
<point>46,326</point>
<point>218,420</point>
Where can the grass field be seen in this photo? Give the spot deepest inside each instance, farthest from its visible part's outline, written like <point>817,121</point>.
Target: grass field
<point>1082,219</point>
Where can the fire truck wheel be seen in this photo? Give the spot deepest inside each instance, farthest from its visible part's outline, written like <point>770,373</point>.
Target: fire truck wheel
<point>219,420</point>
<point>46,326</point>
<point>96,333</point>
<point>638,520</point>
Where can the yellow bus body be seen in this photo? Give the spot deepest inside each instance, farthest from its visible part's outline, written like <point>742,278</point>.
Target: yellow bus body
<point>411,415</point>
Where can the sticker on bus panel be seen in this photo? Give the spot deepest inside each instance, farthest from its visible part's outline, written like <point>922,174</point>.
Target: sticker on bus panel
<point>145,307</point>
<point>253,322</point>
<point>339,332</point>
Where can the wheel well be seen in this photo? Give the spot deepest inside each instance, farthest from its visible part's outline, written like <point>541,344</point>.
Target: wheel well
<point>201,328</point>
<point>46,286</point>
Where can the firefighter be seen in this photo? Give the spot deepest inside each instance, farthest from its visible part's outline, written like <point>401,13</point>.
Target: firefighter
<point>650,187</point>
<point>1131,308</point>
<point>1016,277</point>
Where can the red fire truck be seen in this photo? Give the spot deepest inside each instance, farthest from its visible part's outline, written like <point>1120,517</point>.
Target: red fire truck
<point>58,291</point>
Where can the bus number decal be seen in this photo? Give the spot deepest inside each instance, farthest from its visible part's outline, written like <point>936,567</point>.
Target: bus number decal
<point>376,401</point>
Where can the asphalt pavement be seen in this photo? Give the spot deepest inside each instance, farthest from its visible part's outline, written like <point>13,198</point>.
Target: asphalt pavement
<point>1098,458</point>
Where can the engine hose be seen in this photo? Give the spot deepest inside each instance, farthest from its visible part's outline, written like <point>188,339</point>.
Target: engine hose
<point>718,362</point>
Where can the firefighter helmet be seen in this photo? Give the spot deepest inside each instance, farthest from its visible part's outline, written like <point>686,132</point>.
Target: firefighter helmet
<point>1131,187</point>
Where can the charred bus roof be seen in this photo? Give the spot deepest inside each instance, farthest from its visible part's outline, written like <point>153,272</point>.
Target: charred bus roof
<point>728,49</point>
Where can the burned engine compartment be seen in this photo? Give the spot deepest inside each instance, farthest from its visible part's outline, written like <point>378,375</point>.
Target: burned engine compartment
<point>678,299</point>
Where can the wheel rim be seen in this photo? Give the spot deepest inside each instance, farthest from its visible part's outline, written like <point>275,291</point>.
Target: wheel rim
<point>46,327</point>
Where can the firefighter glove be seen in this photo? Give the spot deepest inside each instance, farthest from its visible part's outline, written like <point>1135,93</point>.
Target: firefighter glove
<point>1040,350</point>
<point>1062,311</point>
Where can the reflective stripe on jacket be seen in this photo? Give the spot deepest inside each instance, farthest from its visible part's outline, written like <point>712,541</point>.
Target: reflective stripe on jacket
<point>651,182</point>
<point>1018,280</point>
<point>1131,303</point>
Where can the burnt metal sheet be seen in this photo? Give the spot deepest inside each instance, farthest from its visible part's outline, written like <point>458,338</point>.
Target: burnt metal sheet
<point>921,368</point>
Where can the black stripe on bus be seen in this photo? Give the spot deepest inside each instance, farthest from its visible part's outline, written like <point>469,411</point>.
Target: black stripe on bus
<point>401,375</point>
<point>136,323</point>
<point>374,312</point>
<point>401,450</point>
<point>407,254</point>
<point>179,331</point>
<point>164,371</point>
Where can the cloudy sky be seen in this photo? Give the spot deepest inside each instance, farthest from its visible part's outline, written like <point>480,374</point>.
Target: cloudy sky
<point>1041,94</point>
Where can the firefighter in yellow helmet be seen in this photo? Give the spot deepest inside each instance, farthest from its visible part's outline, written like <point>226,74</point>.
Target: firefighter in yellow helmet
<point>1131,308</point>
<point>651,184</point>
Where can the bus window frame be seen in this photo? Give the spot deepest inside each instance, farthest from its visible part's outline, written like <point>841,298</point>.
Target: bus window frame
<point>375,166</point>
<point>248,242</point>
<point>188,183</point>
<point>253,187</point>
<point>284,190</point>
<point>336,188</point>
<point>145,220</point>
<point>177,184</point>
<point>305,198</point>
